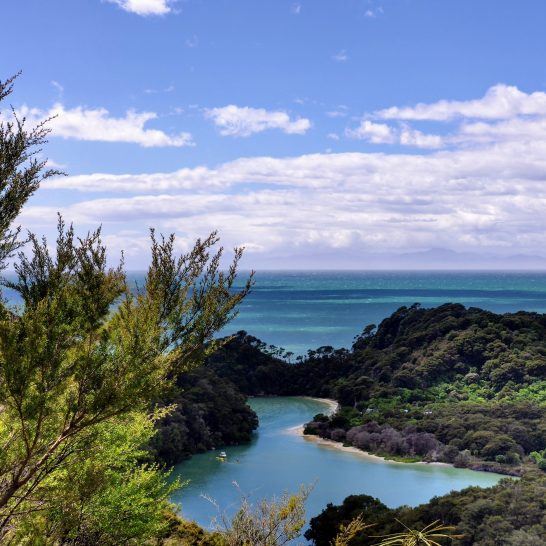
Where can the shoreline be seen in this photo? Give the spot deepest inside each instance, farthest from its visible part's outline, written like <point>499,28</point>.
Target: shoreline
<point>323,442</point>
<point>333,405</point>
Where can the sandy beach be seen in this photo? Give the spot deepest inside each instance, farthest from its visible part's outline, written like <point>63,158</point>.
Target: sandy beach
<point>332,404</point>
<point>330,444</point>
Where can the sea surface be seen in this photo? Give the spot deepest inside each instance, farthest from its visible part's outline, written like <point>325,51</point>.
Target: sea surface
<point>279,460</point>
<point>302,310</point>
<point>305,310</point>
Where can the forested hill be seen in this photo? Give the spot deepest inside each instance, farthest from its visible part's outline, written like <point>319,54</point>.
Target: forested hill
<point>448,383</point>
<point>476,354</point>
<point>209,412</point>
<point>508,514</point>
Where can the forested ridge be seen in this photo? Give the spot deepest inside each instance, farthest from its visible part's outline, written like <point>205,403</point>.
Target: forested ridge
<point>454,384</point>
<point>511,513</point>
<point>459,385</point>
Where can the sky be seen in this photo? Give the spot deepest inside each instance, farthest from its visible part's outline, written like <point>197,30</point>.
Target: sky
<point>318,134</point>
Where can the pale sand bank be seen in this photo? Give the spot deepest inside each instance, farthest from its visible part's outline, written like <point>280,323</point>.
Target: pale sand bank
<point>330,444</point>
<point>332,404</point>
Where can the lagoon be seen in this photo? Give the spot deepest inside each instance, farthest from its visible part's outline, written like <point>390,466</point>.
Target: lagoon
<point>278,460</point>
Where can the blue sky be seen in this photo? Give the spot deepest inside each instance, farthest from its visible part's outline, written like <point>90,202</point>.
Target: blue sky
<point>317,133</point>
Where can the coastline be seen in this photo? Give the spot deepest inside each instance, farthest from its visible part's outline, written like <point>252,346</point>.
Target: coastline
<point>332,404</point>
<point>323,442</point>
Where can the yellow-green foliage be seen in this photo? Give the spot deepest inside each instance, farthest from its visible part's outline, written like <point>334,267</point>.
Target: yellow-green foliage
<point>268,523</point>
<point>81,362</point>
<point>349,531</point>
<point>428,536</point>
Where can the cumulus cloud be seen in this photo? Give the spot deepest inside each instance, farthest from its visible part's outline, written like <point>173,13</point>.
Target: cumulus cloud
<point>504,113</point>
<point>482,187</point>
<point>243,121</point>
<point>381,133</point>
<point>97,124</point>
<point>144,7</point>
<point>377,133</point>
<point>465,199</point>
<point>499,102</point>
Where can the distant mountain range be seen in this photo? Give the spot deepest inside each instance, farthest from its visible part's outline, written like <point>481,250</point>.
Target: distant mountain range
<point>434,258</point>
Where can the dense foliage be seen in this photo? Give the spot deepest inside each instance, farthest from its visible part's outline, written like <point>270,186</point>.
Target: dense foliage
<point>451,384</point>
<point>511,513</point>
<point>81,362</point>
<point>208,412</point>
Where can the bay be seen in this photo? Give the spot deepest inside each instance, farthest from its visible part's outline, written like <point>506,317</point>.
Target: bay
<point>278,460</point>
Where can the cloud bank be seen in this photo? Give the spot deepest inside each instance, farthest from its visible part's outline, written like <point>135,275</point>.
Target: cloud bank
<point>478,188</point>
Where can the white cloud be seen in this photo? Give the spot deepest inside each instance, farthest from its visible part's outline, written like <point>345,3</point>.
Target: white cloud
<point>412,137</point>
<point>376,133</point>
<point>341,56</point>
<point>243,121</point>
<point>381,133</point>
<point>499,102</point>
<point>464,199</point>
<point>144,7</point>
<point>97,124</point>
<point>517,129</point>
<point>482,190</point>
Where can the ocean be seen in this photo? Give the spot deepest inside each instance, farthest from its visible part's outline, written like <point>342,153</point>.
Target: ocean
<point>302,310</point>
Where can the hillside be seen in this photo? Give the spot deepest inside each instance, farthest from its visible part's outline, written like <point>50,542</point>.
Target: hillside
<point>454,384</point>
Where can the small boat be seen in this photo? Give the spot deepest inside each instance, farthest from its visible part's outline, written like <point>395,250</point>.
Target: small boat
<point>222,456</point>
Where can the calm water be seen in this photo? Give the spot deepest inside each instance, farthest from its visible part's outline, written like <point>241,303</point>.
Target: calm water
<point>278,461</point>
<point>304,310</point>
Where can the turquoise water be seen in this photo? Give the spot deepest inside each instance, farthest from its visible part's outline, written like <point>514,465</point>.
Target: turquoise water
<point>278,460</point>
<point>304,310</point>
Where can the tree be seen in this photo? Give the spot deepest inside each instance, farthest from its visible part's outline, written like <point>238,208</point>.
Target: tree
<point>272,522</point>
<point>21,170</point>
<point>87,354</point>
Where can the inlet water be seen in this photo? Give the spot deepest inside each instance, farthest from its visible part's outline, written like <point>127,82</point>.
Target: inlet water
<point>278,459</point>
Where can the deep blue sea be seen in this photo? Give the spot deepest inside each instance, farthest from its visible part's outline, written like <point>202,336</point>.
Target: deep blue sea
<point>305,310</point>
<point>302,310</point>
